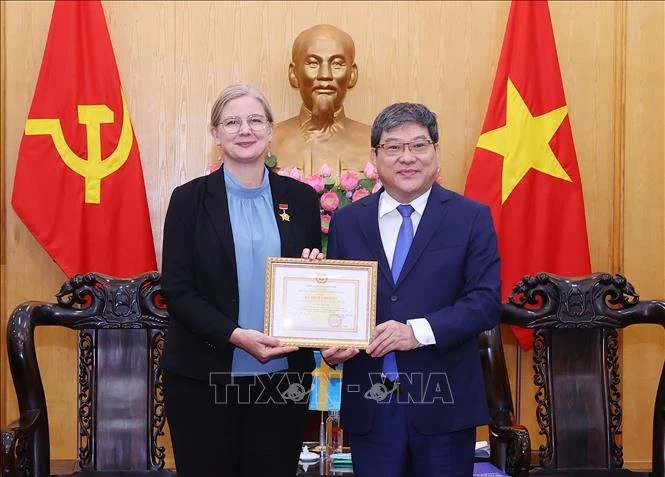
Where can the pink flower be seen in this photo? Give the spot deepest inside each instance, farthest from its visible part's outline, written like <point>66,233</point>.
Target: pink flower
<point>377,186</point>
<point>370,171</point>
<point>292,172</point>
<point>349,180</point>
<point>324,171</point>
<point>284,171</point>
<point>359,194</point>
<point>329,201</point>
<point>316,181</point>
<point>325,223</point>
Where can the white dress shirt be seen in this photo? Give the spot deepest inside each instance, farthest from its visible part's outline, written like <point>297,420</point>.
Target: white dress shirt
<point>390,221</point>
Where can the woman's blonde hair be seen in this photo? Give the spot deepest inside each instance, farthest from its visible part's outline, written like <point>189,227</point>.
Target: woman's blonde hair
<point>238,91</point>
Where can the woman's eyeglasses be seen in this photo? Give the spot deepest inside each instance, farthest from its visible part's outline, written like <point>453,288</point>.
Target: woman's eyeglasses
<point>256,123</point>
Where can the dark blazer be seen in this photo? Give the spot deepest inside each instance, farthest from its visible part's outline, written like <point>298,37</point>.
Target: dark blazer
<point>451,277</point>
<point>199,276</point>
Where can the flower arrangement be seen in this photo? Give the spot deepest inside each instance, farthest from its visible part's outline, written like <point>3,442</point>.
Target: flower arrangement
<point>335,193</point>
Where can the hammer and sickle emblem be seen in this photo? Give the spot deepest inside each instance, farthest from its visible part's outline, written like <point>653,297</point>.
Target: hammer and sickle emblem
<point>94,169</point>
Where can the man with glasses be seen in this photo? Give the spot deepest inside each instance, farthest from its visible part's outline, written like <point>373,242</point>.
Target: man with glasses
<point>323,68</point>
<point>412,400</point>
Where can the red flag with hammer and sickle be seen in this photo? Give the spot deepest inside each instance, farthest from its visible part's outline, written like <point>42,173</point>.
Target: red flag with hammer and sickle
<point>79,183</point>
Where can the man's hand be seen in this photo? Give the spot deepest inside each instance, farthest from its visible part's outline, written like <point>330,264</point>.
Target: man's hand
<point>391,336</point>
<point>314,254</point>
<point>336,355</point>
<point>261,346</point>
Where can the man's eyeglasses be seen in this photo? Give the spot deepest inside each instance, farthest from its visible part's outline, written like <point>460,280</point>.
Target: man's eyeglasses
<point>256,122</point>
<point>393,149</point>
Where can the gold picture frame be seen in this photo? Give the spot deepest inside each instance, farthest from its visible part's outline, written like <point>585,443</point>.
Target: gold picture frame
<point>318,304</point>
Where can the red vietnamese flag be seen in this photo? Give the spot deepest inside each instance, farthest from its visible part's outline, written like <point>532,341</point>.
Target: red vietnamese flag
<point>525,166</point>
<point>79,184</point>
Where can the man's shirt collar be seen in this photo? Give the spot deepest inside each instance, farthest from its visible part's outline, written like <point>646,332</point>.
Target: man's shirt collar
<point>387,203</point>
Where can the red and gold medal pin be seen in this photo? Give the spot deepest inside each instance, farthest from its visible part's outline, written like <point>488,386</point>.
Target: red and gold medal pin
<point>285,217</point>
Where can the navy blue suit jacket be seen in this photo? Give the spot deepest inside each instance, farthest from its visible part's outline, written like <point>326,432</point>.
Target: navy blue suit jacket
<point>451,277</point>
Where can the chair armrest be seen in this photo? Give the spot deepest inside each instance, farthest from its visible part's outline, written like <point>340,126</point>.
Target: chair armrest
<point>511,449</point>
<point>16,444</point>
<point>658,451</point>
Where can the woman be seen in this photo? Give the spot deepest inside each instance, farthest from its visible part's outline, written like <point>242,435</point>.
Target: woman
<point>223,377</point>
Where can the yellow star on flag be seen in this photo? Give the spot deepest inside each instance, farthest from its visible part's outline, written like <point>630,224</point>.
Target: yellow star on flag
<point>524,142</point>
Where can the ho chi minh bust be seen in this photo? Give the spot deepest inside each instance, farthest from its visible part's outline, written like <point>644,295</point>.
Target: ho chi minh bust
<point>323,68</point>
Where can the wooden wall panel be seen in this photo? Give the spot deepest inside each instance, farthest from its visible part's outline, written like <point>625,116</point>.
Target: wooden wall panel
<point>30,273</point>
<point>144,44</point>
<point>585,42</point>
<point>175,57</point>
<point>644,233</point>
<point>4,368</point>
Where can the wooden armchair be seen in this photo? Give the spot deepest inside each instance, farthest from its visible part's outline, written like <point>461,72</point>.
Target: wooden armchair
<point>121,325</point>
<point>510,445</point>
<point>576,363</point>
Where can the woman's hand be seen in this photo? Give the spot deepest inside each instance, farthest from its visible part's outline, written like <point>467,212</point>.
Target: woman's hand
<point>314,254</point>
<point>261,346</point>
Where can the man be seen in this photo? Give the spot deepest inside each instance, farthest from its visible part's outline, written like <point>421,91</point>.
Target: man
<point>323,68</point>
<point>412,400</point>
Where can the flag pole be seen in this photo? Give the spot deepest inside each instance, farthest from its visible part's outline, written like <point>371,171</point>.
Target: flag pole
<point>518,382</point>
<point>322,434</point>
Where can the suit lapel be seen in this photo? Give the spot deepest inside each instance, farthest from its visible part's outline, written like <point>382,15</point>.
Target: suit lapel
<point>369,214</point>
<point>217,206</point>
<point>433,215</point>
<point>281,206</point>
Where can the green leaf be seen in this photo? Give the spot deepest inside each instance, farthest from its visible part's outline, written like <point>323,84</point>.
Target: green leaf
<point>324,243</point>
<point>367,184</point>
<point>343,200</point>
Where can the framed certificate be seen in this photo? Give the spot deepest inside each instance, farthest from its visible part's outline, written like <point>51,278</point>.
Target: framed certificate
<point>320,303</point>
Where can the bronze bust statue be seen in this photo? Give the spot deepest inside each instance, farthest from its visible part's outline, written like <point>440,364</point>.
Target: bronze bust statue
<point>323,68</point>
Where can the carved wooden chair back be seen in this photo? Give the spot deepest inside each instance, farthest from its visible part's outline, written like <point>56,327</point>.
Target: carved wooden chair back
<point>510,444</point>
<point>576,364</point>
<point>121,325</point>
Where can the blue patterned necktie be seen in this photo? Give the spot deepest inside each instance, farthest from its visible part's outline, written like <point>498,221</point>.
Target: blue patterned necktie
<point>404,239</point>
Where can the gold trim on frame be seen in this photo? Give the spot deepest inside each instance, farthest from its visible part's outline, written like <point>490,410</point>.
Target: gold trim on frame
<point>316,273</point>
